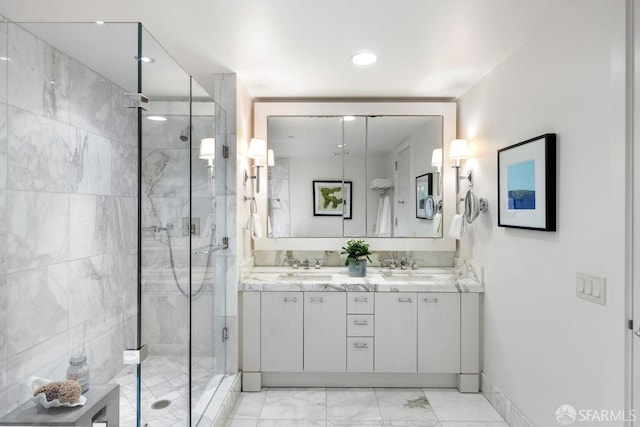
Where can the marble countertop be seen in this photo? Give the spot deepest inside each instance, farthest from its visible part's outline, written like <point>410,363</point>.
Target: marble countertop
<point>337,279</point>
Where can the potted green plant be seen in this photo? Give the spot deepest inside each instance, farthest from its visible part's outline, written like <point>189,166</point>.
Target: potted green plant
<point>357,252</point>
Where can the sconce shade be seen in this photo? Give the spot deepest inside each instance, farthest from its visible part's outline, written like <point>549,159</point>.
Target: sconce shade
<point>459,149</point>
<point>207,148</point>
<point>257,149</point>
<point>271,161</point>
<point>436,157</point>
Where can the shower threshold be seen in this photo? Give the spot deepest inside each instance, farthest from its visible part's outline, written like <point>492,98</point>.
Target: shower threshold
<point>165,391</point>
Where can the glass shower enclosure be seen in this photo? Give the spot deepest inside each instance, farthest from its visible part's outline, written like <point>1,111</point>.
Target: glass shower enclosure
<point>113,189</point>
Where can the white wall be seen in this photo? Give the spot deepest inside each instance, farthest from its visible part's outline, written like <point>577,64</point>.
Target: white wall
<point>544,347</point>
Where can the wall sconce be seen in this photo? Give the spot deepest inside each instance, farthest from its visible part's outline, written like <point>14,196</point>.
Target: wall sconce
<point>208,150</point>
<point>271,161</point>
<point>436,160</point>
<point>458,150</point>
<point>257,151</point>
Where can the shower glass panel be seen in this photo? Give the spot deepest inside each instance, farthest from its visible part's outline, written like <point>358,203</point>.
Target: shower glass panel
<point>183,308</point>
<point>93,192</point>
<point>68,203</point>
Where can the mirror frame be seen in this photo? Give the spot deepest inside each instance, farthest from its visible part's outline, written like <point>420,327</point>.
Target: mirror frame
<point>263,110</point>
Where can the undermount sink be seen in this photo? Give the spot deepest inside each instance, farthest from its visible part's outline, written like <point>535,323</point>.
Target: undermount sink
<point>407,277</point>
<point>306,277</point>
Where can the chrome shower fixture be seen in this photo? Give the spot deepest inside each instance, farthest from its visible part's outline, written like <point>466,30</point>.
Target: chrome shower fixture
<point>184,135</point>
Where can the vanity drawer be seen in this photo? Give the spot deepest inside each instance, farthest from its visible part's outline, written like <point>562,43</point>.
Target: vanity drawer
<point>359,302</point>
<point>359,354</point>
<point>360,325</point>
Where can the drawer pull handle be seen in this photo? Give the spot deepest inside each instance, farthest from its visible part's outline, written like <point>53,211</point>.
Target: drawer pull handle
<point>360,345</point>
<point>427,300</point>
<point>312,299</point>
<point>287,299</point>
<point>405,300</point>
<point>360,299</point>
<point>360,322</point>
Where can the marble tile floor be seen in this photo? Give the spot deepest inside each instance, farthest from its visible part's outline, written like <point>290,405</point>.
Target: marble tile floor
<point>164,377</point>
<point>363,407</point>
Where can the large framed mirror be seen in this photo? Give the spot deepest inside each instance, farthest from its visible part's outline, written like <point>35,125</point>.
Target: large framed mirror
<point>355,169</point>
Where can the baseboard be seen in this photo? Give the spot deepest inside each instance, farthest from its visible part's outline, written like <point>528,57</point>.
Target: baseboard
<point>502,404</point>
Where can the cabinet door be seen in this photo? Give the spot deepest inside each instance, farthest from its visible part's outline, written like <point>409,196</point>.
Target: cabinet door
<point>439,333</point>
<point>281,334</point>
<point>396,319</point>
<point>325,332</point>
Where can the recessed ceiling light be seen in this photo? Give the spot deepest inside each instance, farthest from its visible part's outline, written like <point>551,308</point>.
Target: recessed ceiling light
<point>364,58</point>
<point>100,22</point>
<point>146,59</point>
<point>157,118</point>
<point>349,118</point>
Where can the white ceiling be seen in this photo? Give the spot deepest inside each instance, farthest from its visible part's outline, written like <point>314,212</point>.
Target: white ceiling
<point>301,48</point>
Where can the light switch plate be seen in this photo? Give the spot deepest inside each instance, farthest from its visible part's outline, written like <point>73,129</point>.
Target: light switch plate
<point>591,288</point>
<point>580,283</point>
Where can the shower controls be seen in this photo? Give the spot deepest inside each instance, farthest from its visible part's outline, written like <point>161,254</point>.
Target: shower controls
<point>191,226</point>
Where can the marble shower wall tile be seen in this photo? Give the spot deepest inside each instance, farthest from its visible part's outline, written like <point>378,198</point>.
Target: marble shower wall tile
<point>47,359</point>
<point>39,76</point>
<point>124,123</point>
<point>4,51</point>
<point>38,231</point>
<point>102,340</point>
<point>3,223</point>
<point>37,306</point>
<point>92,225</point>
<point>169,313</point>
<point>3,386</point>
<point>39,153</point>
<point>90,100</point>
<point>166,135</point>
<point>88,288</point>
<point>3,144</point>
<point>91,162</point>
<point>68,216</point>
<point>124,169</point>
<point>166,172</point>
<point>3,321</point>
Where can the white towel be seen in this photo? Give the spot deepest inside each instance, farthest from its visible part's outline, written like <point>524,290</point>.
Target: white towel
<point>437,223</point>
<point>256,228</point>
<point>383,223</point>
<point>456,227</point>
<point>381,183</point>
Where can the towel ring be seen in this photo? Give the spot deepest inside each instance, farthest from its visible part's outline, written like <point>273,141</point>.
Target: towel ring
<point>471,208</point>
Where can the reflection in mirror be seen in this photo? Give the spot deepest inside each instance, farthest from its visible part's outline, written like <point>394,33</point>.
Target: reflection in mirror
<point>399,150</point>
<point>380,156</point>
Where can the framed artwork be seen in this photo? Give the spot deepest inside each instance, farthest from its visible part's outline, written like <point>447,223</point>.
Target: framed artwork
<point>332,198</point>
<point>425,206</point>
<point>527,184</point>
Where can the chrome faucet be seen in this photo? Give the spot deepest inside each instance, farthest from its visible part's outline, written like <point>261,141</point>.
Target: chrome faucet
<point>293,262</point>
<point>305,264</point>
<point>391,262</point>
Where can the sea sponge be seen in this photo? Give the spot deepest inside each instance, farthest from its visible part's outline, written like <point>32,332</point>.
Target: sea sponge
<point>65,391</point>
